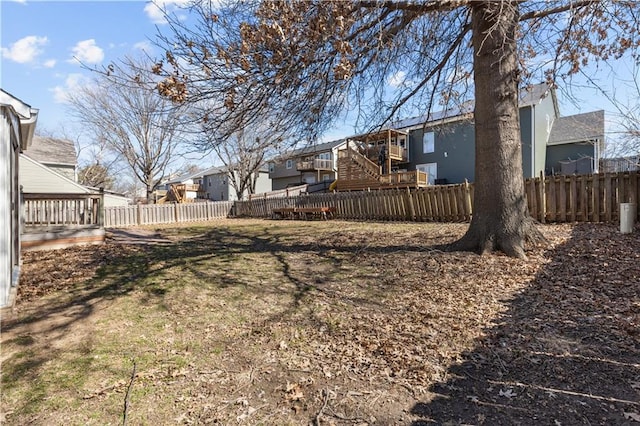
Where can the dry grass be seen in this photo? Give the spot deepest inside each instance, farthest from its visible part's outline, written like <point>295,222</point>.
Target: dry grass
<point>283,322</point>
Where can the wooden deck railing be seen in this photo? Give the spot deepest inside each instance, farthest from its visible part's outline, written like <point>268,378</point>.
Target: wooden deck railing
<point>397,152</point>
<point>62,209</point>
<point>315,164</point>
<point>412,177</point>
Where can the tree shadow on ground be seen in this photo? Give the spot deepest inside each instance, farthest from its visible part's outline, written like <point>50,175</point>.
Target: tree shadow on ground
<point>123,269</point>
<point>567,352</point>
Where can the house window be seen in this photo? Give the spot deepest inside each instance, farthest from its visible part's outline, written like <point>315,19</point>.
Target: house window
<point>272,167</point>
<point>324,156</point>
<point>289,164</point>
<point>428,143</point>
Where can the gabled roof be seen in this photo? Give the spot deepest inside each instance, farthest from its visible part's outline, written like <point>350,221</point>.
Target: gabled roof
<point>313,148</point>
<point>583,127</point>
<point>52,151</point>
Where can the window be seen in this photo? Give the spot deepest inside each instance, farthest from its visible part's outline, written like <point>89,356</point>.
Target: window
<point>428,143</point>
<point>272,167</point>
<point>324,156</point>
<point>289,164</point>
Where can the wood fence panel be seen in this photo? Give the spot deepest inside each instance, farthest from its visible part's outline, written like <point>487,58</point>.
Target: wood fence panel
<point>549,199</point>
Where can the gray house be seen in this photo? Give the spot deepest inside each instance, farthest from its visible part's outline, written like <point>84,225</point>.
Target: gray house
<point>576,144</point>
<point>216,184</point>
<point>58,155</point>
<point>17,124</point>
<point>443,145</point>
<point>310,164</point>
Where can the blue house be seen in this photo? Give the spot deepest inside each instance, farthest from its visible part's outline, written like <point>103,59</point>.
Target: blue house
<point>443,145</point>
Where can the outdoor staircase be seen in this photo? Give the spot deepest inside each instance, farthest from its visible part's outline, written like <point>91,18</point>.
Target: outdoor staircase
<point>369,167</point>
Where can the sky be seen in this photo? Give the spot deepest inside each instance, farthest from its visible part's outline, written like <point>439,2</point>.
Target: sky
<point>44,42</point>
<point>42,45</point>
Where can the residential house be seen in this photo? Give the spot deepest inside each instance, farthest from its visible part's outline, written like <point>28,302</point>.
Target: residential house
<point>213,184</point>
<point>575,144</point>
<point>620,164</point>
<point>17,125</point>
<point>443,145</point>
<point>188,186</point>
<point>216,184</point>
<point>58,155</point>
<point>42,172</point>
<point>310,164</point>
<point>440,148</point>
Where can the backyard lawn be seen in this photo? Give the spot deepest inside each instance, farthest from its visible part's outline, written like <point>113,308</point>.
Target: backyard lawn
<point>267,322</point>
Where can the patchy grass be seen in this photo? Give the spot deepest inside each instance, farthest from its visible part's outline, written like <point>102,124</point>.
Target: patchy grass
<point>288,322</point>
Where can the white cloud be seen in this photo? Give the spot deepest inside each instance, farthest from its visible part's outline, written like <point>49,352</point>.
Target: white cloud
<point>397,79</point>
<point>25,50</point>
<point>72,82</point>
<point>87,52</point>
<point>156,9</point>
<point>49,63</point>
<point>145,46</point>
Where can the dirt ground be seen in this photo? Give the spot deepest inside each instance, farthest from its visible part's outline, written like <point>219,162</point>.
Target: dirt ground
<point>326,323</point>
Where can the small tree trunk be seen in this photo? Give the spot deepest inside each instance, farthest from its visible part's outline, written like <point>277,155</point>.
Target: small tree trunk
<point>500,218</point>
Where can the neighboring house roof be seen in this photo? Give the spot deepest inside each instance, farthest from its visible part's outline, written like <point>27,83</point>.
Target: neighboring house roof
<point>529,96</point>
<point>584,127</point>
<point>27,116</point>
<point>533,94</point>
<point>183,178</point>
<point>313,148</point>
<point>459,111</point>
<point>206,172</point>
<point>52,151</point>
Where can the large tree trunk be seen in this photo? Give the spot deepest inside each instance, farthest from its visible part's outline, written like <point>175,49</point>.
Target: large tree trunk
<point>500,218</point>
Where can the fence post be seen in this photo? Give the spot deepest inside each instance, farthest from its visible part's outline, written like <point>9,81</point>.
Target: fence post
<point>101,209</point>
<point>139,215</point>
<point>412,211</point>
<point>468,205</point>
<point>543,199</point>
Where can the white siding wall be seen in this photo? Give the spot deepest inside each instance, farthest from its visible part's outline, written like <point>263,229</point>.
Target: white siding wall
<point>263,184</point>
<point>9,204</point>
<point>5,207</point>
<point>34,177</point>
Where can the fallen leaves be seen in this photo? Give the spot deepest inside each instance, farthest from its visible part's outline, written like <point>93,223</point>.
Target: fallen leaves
<point>359,322</point>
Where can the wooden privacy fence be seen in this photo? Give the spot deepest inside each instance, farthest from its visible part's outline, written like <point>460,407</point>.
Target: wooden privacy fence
<point>581,198</point>
<point>148,214</point>
<point>450,203</point>
<point>585,198</point>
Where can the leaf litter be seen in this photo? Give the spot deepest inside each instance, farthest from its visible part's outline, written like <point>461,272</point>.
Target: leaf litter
<point>342,323</point>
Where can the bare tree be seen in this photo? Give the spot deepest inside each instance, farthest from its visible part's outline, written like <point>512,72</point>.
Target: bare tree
<point>96,175</point>
<point>308,59</point>
<point>243,154</point>
<point>624,98</point>
<point>132,121</point>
